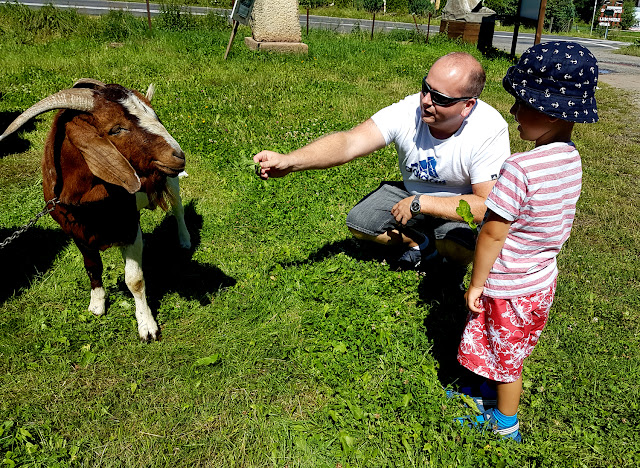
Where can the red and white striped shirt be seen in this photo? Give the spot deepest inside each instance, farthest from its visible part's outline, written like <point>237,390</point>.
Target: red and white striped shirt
<point>537,191</point>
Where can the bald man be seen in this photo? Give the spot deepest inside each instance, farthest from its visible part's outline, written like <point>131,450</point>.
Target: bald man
<point>451,146</point>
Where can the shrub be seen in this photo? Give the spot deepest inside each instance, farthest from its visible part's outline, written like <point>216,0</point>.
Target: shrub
<point>420,7</point>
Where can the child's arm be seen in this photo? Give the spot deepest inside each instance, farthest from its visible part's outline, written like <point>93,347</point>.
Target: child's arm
<point>490,241</point>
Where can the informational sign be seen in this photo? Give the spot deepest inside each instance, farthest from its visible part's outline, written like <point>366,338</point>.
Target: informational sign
<point>529,9</point>
<point>610,14</point>
<point>242,11</point>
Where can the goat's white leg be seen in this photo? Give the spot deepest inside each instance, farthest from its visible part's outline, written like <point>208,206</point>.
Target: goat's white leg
<point>132,254</point>
<point>178,211</point>
<point>97,304</point>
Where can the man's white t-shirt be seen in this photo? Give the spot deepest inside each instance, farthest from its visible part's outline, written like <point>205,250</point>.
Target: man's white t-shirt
<point>472,155</point>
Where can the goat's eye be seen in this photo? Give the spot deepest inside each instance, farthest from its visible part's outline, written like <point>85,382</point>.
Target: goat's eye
<point>116,130</point>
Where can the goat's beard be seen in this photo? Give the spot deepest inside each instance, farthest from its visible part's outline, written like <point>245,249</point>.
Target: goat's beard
<point>155,186</point>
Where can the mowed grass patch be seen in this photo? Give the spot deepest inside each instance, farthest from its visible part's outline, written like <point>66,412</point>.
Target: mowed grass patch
<point>285,342</point>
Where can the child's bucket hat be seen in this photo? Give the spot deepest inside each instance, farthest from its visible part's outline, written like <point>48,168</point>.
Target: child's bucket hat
<point>558,79</point>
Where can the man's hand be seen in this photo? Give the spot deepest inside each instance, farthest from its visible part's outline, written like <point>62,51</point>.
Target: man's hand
<point>402,210</point>
<point>272,164</point>
<point>472,298</point>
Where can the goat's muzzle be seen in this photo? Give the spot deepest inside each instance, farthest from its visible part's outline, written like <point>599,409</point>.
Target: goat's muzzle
<point>171,165</point>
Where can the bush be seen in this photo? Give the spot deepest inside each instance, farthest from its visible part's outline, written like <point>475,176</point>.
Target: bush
<point>420,7</point>
<point>372,6</point>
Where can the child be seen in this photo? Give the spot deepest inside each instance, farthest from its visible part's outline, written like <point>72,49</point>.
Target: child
<point>530,214</point>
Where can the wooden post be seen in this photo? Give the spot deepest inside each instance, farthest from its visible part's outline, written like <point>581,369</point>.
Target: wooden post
<point>149,14</point>
<point>373,24</point>
<point>233,33</point>
<point>514,41</point>
<point>428,27</point>
<point>543,7</point>
<point>307,21</point>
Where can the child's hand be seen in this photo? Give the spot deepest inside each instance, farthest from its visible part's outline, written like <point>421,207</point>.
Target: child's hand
<point>472,298</point>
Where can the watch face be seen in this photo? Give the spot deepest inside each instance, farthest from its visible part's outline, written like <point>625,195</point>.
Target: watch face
<point>415,207</point>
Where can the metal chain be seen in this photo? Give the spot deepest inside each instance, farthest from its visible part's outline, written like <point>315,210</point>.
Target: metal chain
<point>53,202</point>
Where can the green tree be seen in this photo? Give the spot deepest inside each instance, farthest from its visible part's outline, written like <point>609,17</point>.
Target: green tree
<point>504,8</point>
<point>420,8</point>
<point>559,15</point>
<point>628,14</point>
<point>372,6</point>
<point>584,9</point>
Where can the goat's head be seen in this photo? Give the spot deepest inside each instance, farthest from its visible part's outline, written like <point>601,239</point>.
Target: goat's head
<point>116,130</point>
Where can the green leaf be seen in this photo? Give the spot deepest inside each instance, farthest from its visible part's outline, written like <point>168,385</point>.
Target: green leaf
<point>464,211</point>
<point>346,440</point>
<point>206,361</point>
<point>340,348</point>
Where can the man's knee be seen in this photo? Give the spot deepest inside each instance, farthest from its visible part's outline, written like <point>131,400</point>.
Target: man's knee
<point>454,252</point>
<point>359,234</point>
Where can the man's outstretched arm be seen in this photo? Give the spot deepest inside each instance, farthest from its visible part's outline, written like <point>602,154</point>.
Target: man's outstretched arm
<point>328,151</point>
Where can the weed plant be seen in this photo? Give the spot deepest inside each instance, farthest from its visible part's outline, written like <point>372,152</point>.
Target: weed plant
<point>286,342</point>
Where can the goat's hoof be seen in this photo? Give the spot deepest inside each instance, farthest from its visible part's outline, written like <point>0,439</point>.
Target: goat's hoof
<point>97,302</point>
<point>149,333</point>
<point>97,309</point>
<point>184,241</point>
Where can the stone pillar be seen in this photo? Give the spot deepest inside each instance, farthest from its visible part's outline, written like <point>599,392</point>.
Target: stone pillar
<point>275,26</point>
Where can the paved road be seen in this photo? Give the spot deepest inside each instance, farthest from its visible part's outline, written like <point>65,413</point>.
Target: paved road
<point>501,40</point>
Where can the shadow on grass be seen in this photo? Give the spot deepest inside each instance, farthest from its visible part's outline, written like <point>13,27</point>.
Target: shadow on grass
<point>30,254</point>
<point>441,289</point>
<point>354,248</point>
<point>168,268</point>
<point>14,144</point>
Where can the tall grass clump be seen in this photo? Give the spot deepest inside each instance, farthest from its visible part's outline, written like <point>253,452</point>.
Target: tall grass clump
<point>175,17</point>
<point>29,26</point>
<point>118,25</point>
<point>285,341</point>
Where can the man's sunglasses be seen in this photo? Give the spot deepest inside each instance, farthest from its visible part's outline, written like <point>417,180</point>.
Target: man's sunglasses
<point>440,99</point>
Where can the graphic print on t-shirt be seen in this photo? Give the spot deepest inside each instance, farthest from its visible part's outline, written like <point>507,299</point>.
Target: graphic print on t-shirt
<point>426,170</point>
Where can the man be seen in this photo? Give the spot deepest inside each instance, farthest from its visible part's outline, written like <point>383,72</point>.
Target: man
<point>450,147</point>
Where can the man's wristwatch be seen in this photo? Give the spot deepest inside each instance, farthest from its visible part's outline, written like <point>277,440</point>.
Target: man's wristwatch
<point>415,205</point>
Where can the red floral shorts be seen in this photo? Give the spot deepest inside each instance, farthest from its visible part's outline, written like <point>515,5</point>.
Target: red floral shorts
<point>496,341</point>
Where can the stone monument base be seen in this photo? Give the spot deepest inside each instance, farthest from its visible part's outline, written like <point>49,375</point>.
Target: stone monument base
<point>282,47</point>
<point>480,32</point>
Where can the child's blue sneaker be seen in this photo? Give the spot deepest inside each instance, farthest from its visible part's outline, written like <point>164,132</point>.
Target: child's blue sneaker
<point>487,421</point>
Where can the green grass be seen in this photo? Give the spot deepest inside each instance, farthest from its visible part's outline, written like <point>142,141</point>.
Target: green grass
<point>285,342</point>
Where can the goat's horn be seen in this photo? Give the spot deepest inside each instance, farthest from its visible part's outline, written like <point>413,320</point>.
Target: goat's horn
<point>78,99</point>
<point>88,81</point>
<point>151,91</point>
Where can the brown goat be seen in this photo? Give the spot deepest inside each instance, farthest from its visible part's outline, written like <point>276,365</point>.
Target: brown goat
<point>106,157</point>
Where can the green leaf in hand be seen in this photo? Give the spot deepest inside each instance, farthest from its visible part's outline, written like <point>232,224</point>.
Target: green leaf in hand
<point>464,211</point>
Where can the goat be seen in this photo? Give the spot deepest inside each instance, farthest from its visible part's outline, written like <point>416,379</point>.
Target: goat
<point>107,156</point>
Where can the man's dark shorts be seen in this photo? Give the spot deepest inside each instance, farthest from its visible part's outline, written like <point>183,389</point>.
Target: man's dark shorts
<point>372,216</point>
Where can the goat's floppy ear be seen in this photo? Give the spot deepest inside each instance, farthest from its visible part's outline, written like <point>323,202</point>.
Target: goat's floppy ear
<point>103,159</point>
